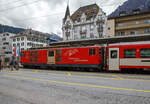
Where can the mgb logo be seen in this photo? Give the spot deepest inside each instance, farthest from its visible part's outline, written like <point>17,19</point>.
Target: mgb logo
<point>71,52</point>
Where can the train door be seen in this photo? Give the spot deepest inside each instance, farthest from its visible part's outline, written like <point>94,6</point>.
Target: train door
<point>114,59</point>
<point>51,57</point>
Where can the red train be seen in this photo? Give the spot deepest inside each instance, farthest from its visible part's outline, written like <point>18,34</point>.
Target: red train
<point>113,57</point>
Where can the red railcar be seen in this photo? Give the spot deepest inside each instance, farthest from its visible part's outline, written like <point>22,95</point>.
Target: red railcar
<point>133,55</point>
<point>86,57</point>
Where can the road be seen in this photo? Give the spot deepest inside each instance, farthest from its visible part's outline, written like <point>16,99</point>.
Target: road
<point>62,87</point>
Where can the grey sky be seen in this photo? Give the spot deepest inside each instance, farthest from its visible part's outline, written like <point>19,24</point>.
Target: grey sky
<point>45,15</point>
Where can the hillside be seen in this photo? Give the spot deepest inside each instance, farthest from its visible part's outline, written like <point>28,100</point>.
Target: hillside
<point>15,30</point>
<point>5,28</point>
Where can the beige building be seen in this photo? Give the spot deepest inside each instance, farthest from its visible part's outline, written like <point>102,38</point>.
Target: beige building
<point>133,24</point>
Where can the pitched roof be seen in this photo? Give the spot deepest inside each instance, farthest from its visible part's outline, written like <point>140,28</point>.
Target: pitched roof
<point>89,10</point>
<point>67,13</point>
<point>131,6</point>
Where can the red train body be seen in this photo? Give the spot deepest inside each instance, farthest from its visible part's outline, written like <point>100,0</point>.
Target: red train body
<point>113,57</point>
<point>64,57</point>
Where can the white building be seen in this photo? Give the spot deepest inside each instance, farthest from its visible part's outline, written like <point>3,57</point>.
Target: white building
<point>6,44</point>
<point>85,23</point>
<point>6,47</point>
<point>29,38</point>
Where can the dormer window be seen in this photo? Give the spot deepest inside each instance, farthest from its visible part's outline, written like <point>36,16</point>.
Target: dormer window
<point>94,10</point>
<point>86,13</point>
<point>123,13</point>
<point>136,11</point>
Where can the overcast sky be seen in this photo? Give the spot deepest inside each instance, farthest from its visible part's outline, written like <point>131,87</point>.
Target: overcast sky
<point>45,15</point>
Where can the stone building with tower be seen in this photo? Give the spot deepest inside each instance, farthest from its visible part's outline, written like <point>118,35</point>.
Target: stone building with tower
<point>85,23</point>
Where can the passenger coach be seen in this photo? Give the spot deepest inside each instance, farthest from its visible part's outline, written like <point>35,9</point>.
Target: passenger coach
<point>128,56</point>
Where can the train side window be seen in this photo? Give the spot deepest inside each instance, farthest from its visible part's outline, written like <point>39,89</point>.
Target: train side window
<point>50,53</point>
<point>100,52</point>
<point>130,53</point>
<point>92,51</point>
<point>30,53</point>
<point>58,52</point>
<point>145,53</point>
<point>33,53</point>
<point>114,54</point>
<point>31,59</point>
<point>22,54</point>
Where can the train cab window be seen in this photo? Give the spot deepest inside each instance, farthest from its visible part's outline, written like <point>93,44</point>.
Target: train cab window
<point>130,53</point>
<point>113,54</point>
<point>92,51</point>
<point>50,53</point>
<point>145,53</point>
<point>58,52</point>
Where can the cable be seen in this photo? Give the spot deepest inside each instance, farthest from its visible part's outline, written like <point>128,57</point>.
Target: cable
<point>40,16</point>
<point>20,6</point>
<point>12,2</point>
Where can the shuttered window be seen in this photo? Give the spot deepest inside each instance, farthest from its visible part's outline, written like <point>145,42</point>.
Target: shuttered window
<point>58,52</point>
<point>92,51</point>
<point>58,59</point>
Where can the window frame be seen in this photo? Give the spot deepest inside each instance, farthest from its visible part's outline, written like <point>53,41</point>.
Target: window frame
<point>52,54</point>
<point>111,54</point>
<point>128,55</point>
<point>145,49</point>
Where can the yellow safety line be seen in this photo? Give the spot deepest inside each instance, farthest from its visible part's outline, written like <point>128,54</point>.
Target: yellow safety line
<point>118,74</point>
<point>76,84</point>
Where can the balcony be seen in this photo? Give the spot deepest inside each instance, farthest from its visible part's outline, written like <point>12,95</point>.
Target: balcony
<point>67,27</point>
<point>67,34</point>
<point>100,29</point>
<point>133,26</point>
<point>100,21</point>
<point>83,32</point>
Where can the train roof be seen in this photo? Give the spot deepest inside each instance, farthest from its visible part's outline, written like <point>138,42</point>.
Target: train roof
<point>130,43</point>
<point>98,41</point>
<point>107,40</point>
<point>63,47</point>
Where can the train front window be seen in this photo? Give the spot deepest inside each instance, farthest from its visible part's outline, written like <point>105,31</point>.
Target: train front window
<point>114,54</point>
<point>50,53</point>
<point>130,53</point>
<point>145,53</point>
